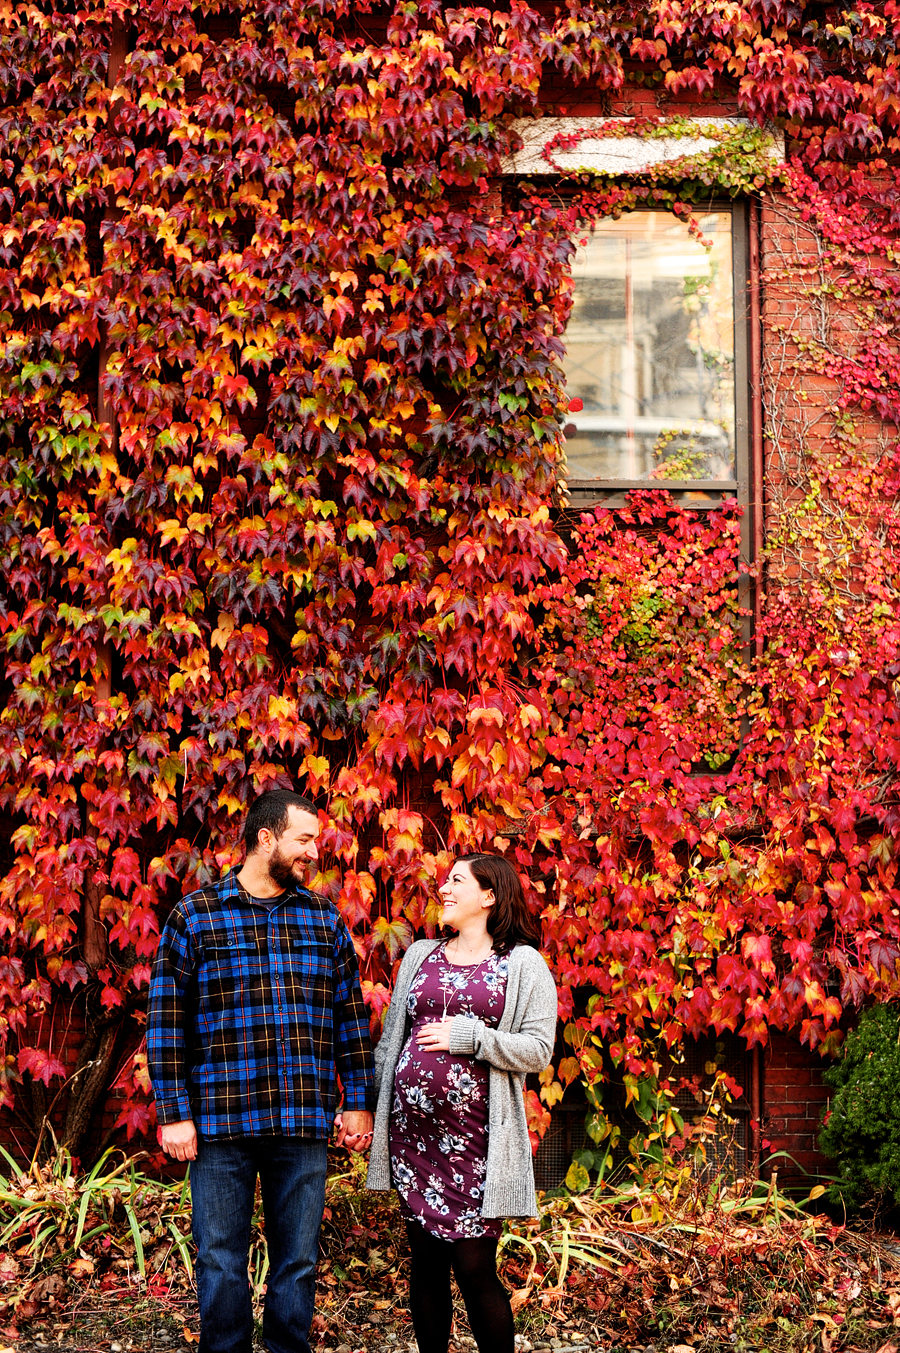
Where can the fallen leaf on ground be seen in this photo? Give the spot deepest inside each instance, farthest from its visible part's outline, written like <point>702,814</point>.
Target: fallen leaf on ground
<point>51,1286</point>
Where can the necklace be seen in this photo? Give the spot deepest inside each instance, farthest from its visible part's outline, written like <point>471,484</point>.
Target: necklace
<point>448,986</point>
<point>451,984</point>
<point>448,990</point>
<point>458,951</point>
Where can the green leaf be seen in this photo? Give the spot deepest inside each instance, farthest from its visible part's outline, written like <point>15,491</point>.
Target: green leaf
<point>577,1178</point>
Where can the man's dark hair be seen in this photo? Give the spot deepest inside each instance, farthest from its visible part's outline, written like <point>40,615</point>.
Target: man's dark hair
<point>270,811</point>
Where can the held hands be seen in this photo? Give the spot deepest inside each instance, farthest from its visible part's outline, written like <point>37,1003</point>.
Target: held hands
<point>435,1037</point>
<point>354,1129</point>
<point>179,1140</point>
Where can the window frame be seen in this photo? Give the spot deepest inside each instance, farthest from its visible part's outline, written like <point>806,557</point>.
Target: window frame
<point>587,493</point>
<point>583,495</point>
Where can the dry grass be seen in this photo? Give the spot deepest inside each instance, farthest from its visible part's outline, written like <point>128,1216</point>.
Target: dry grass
<point>680,1264</point>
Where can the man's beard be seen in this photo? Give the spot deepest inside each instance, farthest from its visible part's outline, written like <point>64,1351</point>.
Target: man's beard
<point>281,871</point>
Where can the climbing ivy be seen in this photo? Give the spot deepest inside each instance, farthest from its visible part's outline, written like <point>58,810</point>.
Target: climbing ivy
<point>280,413</point>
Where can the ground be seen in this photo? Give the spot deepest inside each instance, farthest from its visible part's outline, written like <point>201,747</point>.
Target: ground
<point>685,1265</point>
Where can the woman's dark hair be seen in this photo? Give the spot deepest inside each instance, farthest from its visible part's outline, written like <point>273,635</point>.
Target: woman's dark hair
<point>510,920</point>
<point>270,813</point>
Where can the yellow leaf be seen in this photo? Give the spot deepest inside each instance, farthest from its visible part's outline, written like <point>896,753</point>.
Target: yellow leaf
<point>577,1179</point>
<point>498,756</point>
<point>480,714</point>
<point>551,1094</point>
<point>228,332</point>
<point>190,63</point>
<point>317,768</point>
<point>360,530</point>
<point>223,631</point>
<point>280,707</point>
<point>172,531</point>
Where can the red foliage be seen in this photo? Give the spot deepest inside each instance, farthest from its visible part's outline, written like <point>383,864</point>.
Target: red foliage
<point>40,1064</point>
<point>725,834</point>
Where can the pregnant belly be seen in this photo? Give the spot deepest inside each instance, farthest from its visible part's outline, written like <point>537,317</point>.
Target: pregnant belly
<point>436,1084</point>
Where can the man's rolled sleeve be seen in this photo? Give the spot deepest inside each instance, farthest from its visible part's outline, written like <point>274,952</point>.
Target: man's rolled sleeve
<point>173,970</point>
<point>352,1044</point>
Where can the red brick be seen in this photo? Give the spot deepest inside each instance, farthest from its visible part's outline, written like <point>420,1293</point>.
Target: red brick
<point>803,1094</point>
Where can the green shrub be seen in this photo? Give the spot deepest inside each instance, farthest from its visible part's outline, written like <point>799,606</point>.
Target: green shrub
<point>861,1130</point>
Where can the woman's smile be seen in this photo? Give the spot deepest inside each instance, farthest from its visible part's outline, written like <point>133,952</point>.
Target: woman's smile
<point>463,898</point>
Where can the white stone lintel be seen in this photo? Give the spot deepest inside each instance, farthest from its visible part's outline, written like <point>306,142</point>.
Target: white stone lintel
<point>617,154</point>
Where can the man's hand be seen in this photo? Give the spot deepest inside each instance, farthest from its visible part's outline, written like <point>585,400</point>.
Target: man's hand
<point>354,1129</point>
<point>179,1140</point>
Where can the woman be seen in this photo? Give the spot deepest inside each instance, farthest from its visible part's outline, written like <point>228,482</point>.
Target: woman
<point>470,1016</point>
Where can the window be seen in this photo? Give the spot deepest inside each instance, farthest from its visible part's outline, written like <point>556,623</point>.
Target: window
<point>730,1148</point>
<point>656,360</point>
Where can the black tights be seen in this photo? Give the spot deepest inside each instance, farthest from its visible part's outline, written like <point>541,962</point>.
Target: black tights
<point>474,1265</point>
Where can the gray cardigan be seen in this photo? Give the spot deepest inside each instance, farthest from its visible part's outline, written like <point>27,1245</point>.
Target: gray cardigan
<point>522,1042</point>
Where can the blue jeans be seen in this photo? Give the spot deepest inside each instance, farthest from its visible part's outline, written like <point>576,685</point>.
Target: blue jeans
<point>291,1171</point>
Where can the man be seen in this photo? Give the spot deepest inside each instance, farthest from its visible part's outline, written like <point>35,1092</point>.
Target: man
<point>255,1007</point>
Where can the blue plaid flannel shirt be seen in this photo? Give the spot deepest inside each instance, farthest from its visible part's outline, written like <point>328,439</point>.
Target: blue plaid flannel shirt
<point>254,1008</point>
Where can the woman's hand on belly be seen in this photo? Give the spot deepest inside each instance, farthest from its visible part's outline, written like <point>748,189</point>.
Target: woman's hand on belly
<point>435,1037</point>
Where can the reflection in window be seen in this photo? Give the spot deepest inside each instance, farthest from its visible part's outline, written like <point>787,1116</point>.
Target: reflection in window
<point>650,351</point>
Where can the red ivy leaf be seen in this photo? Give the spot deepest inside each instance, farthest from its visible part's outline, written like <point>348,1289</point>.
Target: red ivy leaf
<point>40,1064</point>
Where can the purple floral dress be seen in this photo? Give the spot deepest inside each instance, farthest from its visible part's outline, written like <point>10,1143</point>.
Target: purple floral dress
<point>439,1113</point>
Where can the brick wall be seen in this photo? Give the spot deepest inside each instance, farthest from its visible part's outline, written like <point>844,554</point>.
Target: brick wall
<point>794,1099</point>
<point>561,98</point>
<point>61,1031</point>
<point>798,420</point>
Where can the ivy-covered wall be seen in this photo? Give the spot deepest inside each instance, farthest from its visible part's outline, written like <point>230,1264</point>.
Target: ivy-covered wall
<point>278,461</point>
